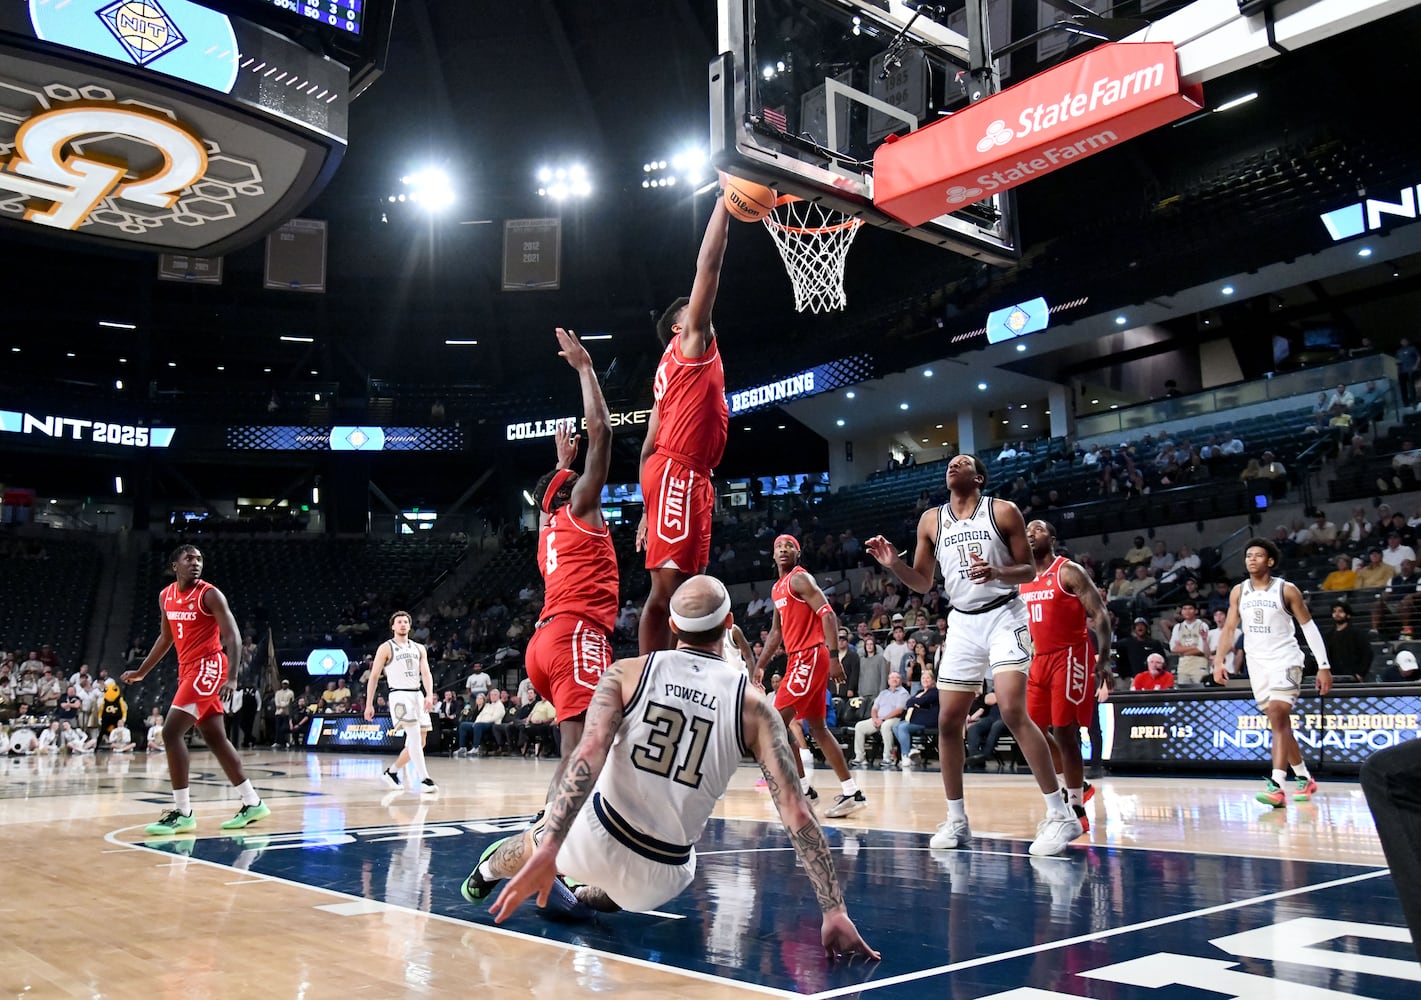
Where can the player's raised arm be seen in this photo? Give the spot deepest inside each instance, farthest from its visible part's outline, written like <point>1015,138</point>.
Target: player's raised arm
<point>586,501</point>
<point>696,331</point>
<point>918,576</point>
<point>1226,637</point>
<point>161,645</point>
<point>766,737</point>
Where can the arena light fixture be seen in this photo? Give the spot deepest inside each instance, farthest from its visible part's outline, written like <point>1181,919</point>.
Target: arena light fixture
<point>690,166</point>
<point>839,422</point>
<point>562,183</point>
<point>1364,252</point>
<point>982,386</point>
<point>430,188</point>
<point>1121,321</point>
<point>298,340</point>
<point>850,394</point>
<point>902,406</point>
<point>927,373</point>
<point>110,324</point>
<point>1227,290</point>
<point>1237,102</point>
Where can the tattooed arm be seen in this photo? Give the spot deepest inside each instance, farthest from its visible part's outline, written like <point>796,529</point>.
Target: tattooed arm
<point>766,736</point>
<point>604,718</point>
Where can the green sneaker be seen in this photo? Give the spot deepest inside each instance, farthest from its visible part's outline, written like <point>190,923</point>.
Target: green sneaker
<point>173,821</point>
<point>247,814</point>
<point>476,888</point>
<point>1272,795</point>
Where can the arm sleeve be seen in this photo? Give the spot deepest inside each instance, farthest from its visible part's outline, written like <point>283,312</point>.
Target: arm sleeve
<point>1315,643</point>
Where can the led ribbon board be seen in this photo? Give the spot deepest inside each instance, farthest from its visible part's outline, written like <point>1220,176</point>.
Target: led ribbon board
<point>160,124</point>
<point>824,378</point>
<point>1018,320</point>
<point>286,438</point>
<point>89,431</point>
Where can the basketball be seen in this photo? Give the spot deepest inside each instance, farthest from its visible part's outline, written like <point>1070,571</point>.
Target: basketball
<point>748,201</point>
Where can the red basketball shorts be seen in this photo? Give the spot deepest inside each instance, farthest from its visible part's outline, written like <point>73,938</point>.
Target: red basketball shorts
<point>199,685</point>
<point>1058,687</point>
<point>805,679</point>
<point>679,503</point>
<point>566,658</point>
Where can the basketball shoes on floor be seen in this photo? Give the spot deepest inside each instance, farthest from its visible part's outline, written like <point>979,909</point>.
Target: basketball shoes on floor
<point>173,821</point>
<point>1053,834</point>
<point>1082,818</point>
<point>390,778</point>
<point>846,804</point>
<point>247,814</point>
<point>476,887</point>
<point>1272,795</point>
<point>427,785</point>
<point>1087,792</point>
<point>950,834</point>
<point>1306,787</point>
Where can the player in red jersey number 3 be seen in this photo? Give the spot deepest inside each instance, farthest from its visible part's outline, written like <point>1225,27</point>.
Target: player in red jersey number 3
<point>194,617</point>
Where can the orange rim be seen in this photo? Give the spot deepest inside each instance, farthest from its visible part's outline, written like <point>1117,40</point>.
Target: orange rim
<point>785,199</point>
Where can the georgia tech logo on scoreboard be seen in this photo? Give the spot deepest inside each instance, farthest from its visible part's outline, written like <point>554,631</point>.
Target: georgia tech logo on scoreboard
<point>94,431</point>
<point>142,27</point>
<point>74,185</point>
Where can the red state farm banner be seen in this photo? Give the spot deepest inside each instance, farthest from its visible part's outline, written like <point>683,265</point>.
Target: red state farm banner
<point>1084,106</point>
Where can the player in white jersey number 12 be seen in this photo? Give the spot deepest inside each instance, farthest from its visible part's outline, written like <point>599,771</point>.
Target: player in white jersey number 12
<point>1265,607</point>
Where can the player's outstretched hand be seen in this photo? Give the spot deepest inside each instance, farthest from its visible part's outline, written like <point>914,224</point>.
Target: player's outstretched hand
<point>566,442</point>
<point>641,534</point>
<point>881,549</point>
<point>572,350</point>
<point>842,939</point>
<point>130,677</point>
<point>1221,675</point>
<point>534,878</point>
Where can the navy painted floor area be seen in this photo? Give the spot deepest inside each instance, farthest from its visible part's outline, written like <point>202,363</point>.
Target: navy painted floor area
<point>986,922</point>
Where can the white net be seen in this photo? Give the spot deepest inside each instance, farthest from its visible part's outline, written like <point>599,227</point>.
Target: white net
<point>813,241</point>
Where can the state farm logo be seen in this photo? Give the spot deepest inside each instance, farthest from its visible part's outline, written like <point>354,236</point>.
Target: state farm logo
<point>997,135</point>
<point>957,194</point>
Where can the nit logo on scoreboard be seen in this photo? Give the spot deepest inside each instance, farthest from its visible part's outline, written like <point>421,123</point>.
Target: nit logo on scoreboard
<point>143,28</point>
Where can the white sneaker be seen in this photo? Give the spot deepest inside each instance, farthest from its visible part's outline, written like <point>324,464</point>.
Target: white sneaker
<point>845,804</point>
<point>427,785</point>
<point>915,755</point>
<point>1053,834</point>
<point>952,833</point>
<point>906,764</point>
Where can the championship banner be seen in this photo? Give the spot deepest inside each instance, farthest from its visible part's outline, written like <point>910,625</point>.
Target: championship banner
<point>1179,730</point>
<point>1084,106</point>
<point>352,732</point>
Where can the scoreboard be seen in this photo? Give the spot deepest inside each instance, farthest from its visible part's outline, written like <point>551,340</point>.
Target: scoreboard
<point>345,15</point>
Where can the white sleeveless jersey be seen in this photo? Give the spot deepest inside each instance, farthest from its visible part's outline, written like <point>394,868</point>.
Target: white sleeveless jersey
<point>731,652</point>
<point>402,672</point>
<point>1267,626</point>
<point>960,539</point>
<point>679,745</point>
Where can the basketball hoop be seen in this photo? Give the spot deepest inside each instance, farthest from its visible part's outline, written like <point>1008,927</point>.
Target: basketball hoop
<point>813,242</point>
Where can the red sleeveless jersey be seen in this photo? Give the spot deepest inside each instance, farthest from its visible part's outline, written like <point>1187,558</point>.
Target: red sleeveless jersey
<point>579,567</point>
<point>690,402</point>
<point>799,624</point>
<point>1057,619</point>
<point>195,631</point>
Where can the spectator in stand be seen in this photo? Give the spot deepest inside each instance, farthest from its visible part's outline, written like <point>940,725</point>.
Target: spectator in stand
<point>1161,562</point>
<point>1375,574</point>
<point>888,708</point>
<point>1341,399</point>
<point>919,715</point>
<point>80,675</point>
<point>1252,471</point>
<point>1322,534</point>
<point>759,607</point>
<point>1142,589</point>
<point>1408,360</point>
<point>1403,528</point>
<point>1189,640</point>
<point>1133,652</point>
<point>1231,446</point>
<point>120,739</point>
<point>1186,566</point>
<point>873,670</point>
<point>282,701</point>
<point>1272,468</point>
<point>1139,554</point>
<point>1344,577</point>
<point>1396,552</point>
<point>1234,658</point>
<point>1008,452</point>
<point>478,682</point>
<point>897,644</point>
<point>849,660</point>
<point>155,731</point>
<point>1348,650</point>
<point>1357,529</point>
<point>1404,671</point>
<point>468,715</point>
<point>50,690</point>
<point>1154,677</point>
<point>1192,594</point>
<point>984,727</point>
<point>1283,539</point>
<point>509,735</point>
<point>1404,585</point>
<point>542,728</point>
<point>493,714</point>
<point>891,600</point>
<point>1121,588</point>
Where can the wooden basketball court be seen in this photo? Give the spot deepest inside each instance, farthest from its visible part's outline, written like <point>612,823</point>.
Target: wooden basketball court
<point>349,889</point>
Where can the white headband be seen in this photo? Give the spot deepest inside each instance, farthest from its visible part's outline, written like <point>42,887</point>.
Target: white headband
<point>704,623</point>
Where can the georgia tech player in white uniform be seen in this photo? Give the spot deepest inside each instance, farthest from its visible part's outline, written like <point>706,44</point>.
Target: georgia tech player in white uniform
<point>1266,608</point>
<point>664,736</point>
<point>406,665</point>
<point>980,544</point>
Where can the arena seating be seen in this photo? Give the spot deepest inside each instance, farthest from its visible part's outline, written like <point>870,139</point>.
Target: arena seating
<point>49,599</point>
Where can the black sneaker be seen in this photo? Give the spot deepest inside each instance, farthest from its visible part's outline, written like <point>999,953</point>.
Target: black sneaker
<point>812,795</point>
<point>390,778</point>
<point>476,887</point>
<point>428,785</point>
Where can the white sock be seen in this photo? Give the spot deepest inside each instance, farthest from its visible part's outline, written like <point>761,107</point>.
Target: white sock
<point>956,809</point>
<point>806,758</point>
<point>804,784</point>
<point>248,793</point>
<point>180,799</point>
<point>415,746</point>
<point>1280,778</point>
<point>1061,780</point>
<point>1055,805</point>
<point>1301,770</point>
<point>1075,795</point>
<point>486,869</point>
<point>850,787</point>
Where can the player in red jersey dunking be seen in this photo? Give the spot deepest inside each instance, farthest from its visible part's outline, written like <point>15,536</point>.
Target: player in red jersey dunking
<point>809,629</point>
<point>1064,609</point>
<point>194,616</point>
<point>685,440</point>
<point>570,649</point>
